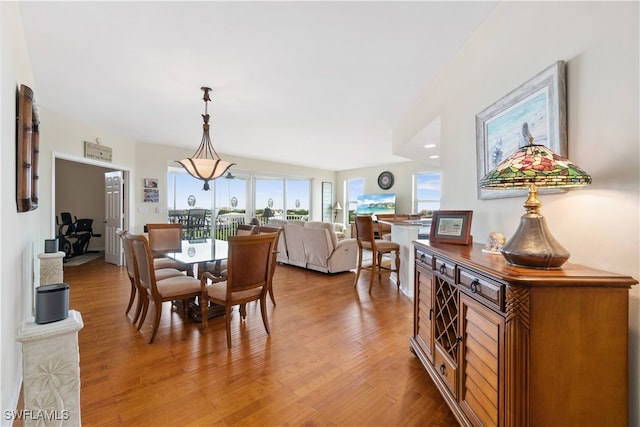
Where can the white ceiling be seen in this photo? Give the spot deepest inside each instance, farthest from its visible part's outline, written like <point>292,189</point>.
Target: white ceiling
<point>318,84</point>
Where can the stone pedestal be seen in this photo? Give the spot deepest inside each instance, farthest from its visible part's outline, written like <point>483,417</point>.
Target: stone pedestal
<point>51,370</point>
<point>51,267</point>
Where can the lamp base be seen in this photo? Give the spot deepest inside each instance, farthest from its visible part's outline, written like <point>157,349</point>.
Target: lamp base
<point>532,245</point>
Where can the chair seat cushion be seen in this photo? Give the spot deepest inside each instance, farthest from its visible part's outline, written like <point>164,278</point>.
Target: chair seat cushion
<point>382,245</point>
<point>177,285</point>
<point>218,291</point>
<point>218,269</point>
<point>165,273</point>
<point>159,263</point>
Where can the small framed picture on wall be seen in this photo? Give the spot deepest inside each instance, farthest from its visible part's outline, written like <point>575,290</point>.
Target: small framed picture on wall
<point>151,195</point>
<point>150,183</point>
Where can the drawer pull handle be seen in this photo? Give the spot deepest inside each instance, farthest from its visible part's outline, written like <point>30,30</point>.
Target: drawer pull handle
<point>475,286</point>
<point>443,269</point>
<point>430,313</point>
<point>443,371</point>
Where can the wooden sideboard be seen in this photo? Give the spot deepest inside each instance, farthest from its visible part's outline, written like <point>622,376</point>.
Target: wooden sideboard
<point>512,346</point>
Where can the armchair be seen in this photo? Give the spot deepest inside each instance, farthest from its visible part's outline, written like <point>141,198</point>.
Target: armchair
<point>322,250</point>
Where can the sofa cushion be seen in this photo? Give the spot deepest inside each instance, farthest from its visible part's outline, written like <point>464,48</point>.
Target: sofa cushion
<point>326,226</point>
<point>295,247</point>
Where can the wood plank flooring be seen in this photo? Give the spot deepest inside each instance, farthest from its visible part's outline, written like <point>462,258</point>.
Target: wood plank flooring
<point>336,356</point>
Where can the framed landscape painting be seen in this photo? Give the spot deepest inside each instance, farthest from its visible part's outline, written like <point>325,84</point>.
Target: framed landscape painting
<point>533,113</point>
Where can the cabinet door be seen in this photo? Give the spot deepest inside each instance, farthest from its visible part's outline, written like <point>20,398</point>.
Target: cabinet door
<point>481,366</point>
<point>424,311</point>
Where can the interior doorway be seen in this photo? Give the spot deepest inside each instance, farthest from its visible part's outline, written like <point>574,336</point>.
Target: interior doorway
<point>78,187</point>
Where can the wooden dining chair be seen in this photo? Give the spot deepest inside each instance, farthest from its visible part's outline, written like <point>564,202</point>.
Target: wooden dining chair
<point>246,230</point>
<point>128,261</point>
<point>276,231</point>
<point>162,273</point>
<point>165,237</point>
<point>180,287</point>
<point>219,269</point>
<point>249,267</point>
<point>378,247</point>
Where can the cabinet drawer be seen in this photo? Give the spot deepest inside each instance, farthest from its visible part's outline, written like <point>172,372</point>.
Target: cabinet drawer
<point>446,370</point>
<point>483,289</point>
<point>424,259</point>
<point>446,268</point>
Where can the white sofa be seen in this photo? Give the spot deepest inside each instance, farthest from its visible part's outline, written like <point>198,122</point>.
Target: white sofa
<point>314,245</point>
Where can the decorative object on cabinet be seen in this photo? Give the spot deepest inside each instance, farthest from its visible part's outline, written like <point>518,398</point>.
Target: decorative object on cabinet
<point>533,167</point>
<point>495,243</point>
<point>385,180</point>
<point>451,227</point>
<point>536,109</point>
<point>27,150</point>
<point>205,164</point>
<point>511,346</point>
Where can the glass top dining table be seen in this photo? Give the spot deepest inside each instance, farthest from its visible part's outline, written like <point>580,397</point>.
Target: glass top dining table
<point>200,252</point>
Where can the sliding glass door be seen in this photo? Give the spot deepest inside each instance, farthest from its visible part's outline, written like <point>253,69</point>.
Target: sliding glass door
<point>287,198</point>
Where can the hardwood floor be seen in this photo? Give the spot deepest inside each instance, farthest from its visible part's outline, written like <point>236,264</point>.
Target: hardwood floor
<point>336,356</point>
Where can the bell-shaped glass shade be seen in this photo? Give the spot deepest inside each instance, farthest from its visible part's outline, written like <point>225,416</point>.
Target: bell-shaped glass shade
<point>205,164</point>
<point>205,169</point>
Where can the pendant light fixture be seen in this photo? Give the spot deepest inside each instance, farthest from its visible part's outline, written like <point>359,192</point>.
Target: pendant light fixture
<point>205,164</point>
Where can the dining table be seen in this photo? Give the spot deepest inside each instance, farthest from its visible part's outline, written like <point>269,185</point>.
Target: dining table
<point>200,255</point>
<point>197,253</point>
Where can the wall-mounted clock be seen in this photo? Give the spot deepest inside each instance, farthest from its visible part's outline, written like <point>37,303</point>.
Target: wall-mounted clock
<point>385,180</point>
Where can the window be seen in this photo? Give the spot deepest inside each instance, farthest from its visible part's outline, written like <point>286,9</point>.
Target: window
<point>238,196</point>
<point>426,193</point>
<point>288,198</point>
<point>185,192</point>
<point>185,197</point>
<point>355,188</point>
<point>297,198</point>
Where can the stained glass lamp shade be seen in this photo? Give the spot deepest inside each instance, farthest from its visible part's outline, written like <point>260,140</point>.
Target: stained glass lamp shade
<point>532,167</point>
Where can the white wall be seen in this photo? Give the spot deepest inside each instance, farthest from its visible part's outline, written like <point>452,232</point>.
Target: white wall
<point>598,225</point>
<point>20,231</point>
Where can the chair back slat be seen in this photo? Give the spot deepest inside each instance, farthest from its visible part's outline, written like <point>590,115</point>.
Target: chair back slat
<point>364,228</point>
<point>246,230</point>
<point>128,255</point>
<point>143,261</point>
<point>165,237</point>
<point>249,261</point>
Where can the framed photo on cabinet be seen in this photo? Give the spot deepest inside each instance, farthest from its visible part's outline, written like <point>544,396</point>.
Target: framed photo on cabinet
<point>451,227</point>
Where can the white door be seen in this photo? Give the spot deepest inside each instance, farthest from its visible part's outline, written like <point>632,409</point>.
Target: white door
<point>113,185</point>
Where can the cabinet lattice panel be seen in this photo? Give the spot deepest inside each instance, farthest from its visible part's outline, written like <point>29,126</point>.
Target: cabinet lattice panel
<point>446,317</point>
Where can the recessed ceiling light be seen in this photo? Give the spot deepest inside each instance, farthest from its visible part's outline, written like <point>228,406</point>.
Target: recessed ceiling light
<point>434,157</point>
<point>430,146</point>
